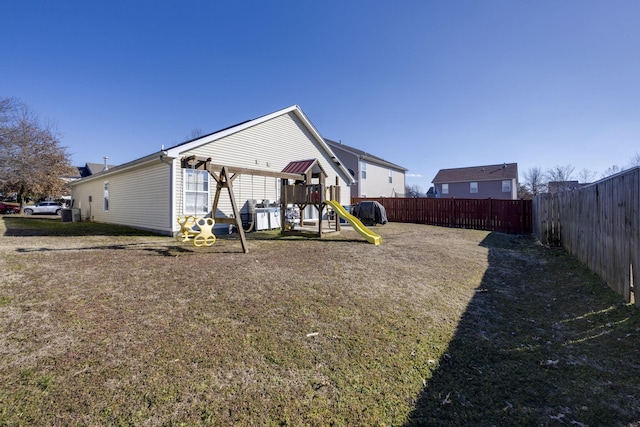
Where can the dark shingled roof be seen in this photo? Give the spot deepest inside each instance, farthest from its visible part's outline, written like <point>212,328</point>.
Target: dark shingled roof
<point>478,173</point>
<point>364,155</point>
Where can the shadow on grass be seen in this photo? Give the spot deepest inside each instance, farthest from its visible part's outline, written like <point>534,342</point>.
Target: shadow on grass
<point>52,226</point>
<point>543,342</point>
<point>171,251</point>
<point>48,225</point>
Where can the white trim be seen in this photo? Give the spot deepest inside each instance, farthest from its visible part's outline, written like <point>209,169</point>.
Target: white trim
<point>196,192</point>
<point>105,196</point>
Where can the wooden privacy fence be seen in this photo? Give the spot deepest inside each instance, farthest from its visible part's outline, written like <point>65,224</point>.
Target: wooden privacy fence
<point>507,216</point>
<point>598,224</point>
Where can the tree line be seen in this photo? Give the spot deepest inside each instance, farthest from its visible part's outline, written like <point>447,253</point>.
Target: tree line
<point>33,162</point>
<point>536,180</point>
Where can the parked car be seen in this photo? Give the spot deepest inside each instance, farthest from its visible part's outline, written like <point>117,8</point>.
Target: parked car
<point>9,208</point>
<point>51,208</point>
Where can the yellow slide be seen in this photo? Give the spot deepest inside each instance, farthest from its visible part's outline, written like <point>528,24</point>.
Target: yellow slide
<point>357,225</point>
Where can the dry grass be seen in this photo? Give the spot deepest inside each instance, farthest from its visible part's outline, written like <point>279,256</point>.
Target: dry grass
<point>435,326</point>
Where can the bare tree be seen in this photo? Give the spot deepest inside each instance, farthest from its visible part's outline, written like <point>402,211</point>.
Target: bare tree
<point>9,111</point>
<point>524,192</point>
<point>412,190</point>
<point>611,170</point>
<point>32,161</point>
<point>534,180</point>
<point>195,133</point>
<point>560,173</point>
<point>586,176</point>
<point>558,177</point>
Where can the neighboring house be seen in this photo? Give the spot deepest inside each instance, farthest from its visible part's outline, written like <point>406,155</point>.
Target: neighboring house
<point>153,191</point>
<point>431,193</point>
<point>374,177</point>
<point>478,182</point>
<point>93,168</point>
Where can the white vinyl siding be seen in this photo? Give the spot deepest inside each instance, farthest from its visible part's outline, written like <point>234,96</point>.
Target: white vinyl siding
<point>270,146</point>
<point>377,183</point>
<point>392,184</point>
<point>138,197</point>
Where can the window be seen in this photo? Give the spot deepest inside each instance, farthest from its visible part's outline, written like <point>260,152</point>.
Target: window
<point>196,192</point>
<point>390,176</point>
<point>105,205</point>
<point>473,187</point>
<point>363,169</point>
<point>445,188</point>
<point>506,186</point>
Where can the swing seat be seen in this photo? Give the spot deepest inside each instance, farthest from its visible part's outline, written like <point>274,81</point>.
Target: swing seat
<point>199,230</point>
<point>187,230</point>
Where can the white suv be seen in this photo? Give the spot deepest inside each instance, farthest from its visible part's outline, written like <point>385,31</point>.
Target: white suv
<point>51,208</point>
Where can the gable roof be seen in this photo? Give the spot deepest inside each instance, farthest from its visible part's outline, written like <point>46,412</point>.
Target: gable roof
<point>363,155</point>
<point>92,169</point>
<point>177,150</point>
<point>478,173</point>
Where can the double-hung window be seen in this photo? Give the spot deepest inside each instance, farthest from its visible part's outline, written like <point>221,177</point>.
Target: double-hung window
<point>390,176</point>
<point>445,188</point>
<point>363,169</point>
<point>473,187</point>
<point>506,186</point>
<point>196,192</point>
<point>105,203</point>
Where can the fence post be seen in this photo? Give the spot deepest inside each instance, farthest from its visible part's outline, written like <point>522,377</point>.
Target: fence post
<point>490,225</point>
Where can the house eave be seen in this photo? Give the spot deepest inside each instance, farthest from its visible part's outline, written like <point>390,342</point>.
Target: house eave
<point>158,156</point>
<point>369,158</point>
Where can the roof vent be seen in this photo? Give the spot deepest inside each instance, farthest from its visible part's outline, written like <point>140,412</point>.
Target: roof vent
<point>106,167</point>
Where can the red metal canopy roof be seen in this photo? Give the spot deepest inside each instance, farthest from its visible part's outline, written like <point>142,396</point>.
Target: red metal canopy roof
<point>299,166</point>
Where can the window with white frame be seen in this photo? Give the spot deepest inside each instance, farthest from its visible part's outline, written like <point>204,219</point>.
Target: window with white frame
<point>105,203</point>
<point>445,188</point>
<point>196,192</point>
<point>506,186</point>
<point>363,169</point>
<point>473,187</point>
<point>390,176</point>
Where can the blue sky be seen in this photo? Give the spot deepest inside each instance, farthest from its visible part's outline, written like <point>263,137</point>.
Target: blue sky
<point>424,84</point>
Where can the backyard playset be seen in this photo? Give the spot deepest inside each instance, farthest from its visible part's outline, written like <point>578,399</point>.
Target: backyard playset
<point>302,184</point>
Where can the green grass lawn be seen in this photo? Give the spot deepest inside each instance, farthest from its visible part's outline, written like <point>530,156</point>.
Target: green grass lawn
<point>104,325</point>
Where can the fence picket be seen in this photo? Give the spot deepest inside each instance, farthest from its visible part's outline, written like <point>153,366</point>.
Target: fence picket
<point>600,225</point>
<point>508,216</point>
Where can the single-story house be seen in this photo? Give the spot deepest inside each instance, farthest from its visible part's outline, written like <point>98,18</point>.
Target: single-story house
<point>374,176</point>
<point>153,191</point>
<point>478,182</point>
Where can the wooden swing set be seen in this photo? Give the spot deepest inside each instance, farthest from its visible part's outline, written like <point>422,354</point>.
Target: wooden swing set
<point>302,194</point>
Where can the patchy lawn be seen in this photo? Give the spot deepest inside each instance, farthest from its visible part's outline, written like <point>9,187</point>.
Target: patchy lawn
<point>104,325</point>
